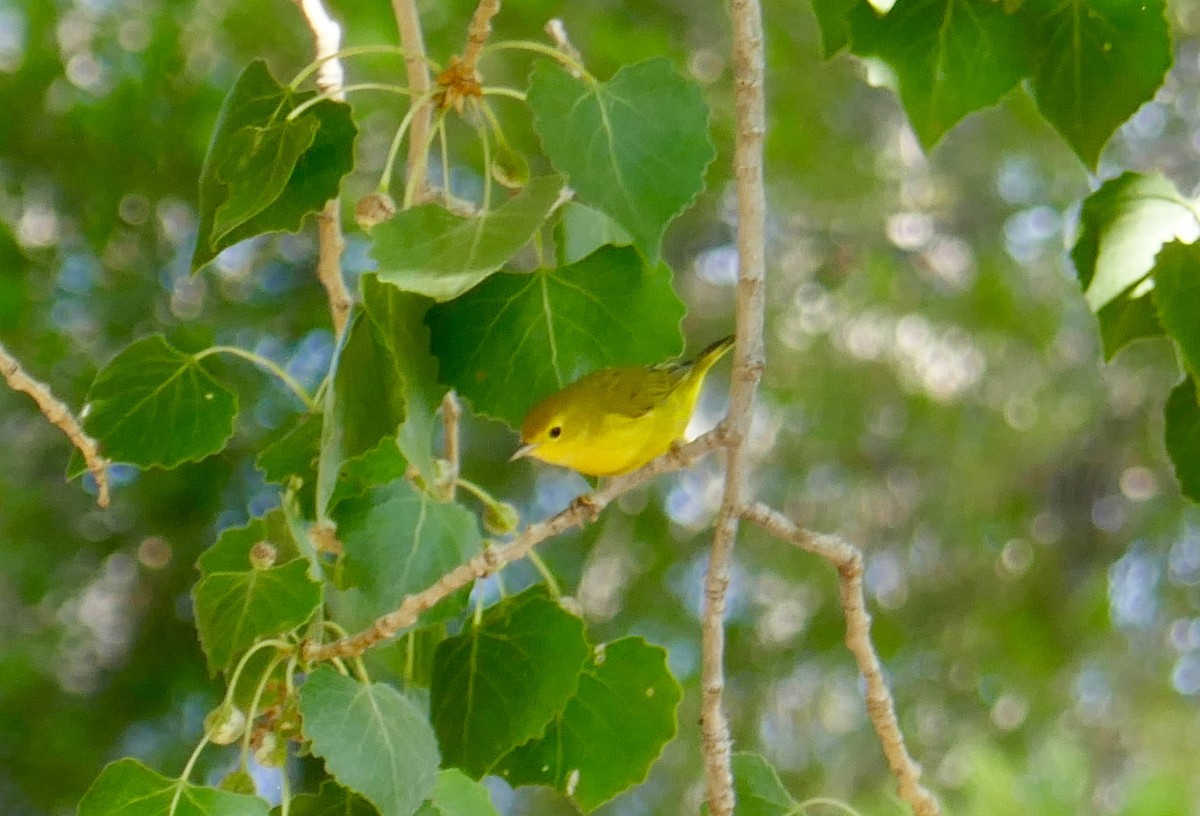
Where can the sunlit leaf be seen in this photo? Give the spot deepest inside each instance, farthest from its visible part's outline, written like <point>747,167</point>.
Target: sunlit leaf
<point>635,147</point>
<point>432,252</point>
<point>626,696</point>
<point>951,57</point>
<point>373,739</point>
<point>128,788</point>
<point>235,609</point>
<point>1097,62</point>
<point>262,173</point>
<point>517,337</point>
<point>154,406</point>
<point>498,684</point>
<point>1122,227</point>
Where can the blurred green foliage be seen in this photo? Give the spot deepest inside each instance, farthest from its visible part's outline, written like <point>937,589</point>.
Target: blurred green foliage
<point>934,392</point>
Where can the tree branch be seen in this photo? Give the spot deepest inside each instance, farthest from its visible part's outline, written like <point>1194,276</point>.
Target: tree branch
<point>419,83</point>
<point>848,561</point>
<point>60,416</point>
<point>327,39</point>
<point>747,369</point>
<point>478,32</point>
<point>584,509</point>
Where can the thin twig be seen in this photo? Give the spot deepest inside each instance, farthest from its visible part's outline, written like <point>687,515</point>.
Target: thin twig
<point>478,32</point>
<point>848,561</point>
<point>584,509</point>
<point>420,83</point>
<point>451,414</point>
<point>327,39</point>
<point>60,416</point>
<point>747,369</point>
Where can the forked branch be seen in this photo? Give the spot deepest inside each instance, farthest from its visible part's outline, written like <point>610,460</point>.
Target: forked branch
<point>749,125</point>
<point>881,710</point>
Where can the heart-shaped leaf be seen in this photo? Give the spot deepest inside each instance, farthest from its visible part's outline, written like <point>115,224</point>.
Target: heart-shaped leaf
<point>154,406</point>
<point>501,681</point>
<point>626,696</point>
<point>263,172</point>
<point>635,147</point>
<point>128,788</point>
<point>374,740</point>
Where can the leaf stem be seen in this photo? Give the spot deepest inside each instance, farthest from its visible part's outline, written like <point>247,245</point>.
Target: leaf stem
<point>265,364</point>
<point>361,86</point>
<point>353,51</point>
<point>500,90</point>
<point>252,712</point>
<point>487,161</point>
<point>385,180</point>
<point>545,50</point>
<point>281,645</point>
<point>182,782</point>
<point>416,180</point>
<point>547,575</point>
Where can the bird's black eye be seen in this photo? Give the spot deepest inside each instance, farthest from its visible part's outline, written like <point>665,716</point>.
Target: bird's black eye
<point>555,432</point>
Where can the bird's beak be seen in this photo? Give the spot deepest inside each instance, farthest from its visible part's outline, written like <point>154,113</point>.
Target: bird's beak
<point>522,452</point>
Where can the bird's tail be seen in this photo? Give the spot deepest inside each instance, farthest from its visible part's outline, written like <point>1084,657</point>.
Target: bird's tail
<point>705,359</point>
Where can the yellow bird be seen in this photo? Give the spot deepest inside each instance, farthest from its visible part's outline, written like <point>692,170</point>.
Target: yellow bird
<point>616,420</point>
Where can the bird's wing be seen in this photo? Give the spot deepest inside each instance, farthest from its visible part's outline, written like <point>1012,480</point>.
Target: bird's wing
<point>637,396</point>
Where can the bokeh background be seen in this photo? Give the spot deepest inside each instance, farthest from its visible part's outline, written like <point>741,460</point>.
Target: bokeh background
<point>935,392</point>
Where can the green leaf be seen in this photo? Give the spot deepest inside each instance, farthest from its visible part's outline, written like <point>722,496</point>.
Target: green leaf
<point>758,789</point>
<point>626,697</point>
<point>235,609</point>
<point>1182,434</point>
<point>635,147</point>
<point>951,57</point>
<point>399,318</point>
<point>835,27</point>
<point>1127,318</point>
<point>292,451</point>
<point>257,168</point>
<point>331,800</point>
<point>456,794</point>
<point>1097,62</point>
<point>582,230</point>
<point>1177,295</point>
<point>373,739</point>
<point>399,541</point>
<point>364,402</point>
<point>429,251</point>
<point>154,406</point>
<point>1121,228</point>
<point>378,466</point>
<point>128,788</point>
<point>516,338</point>
<point>231,552</point>
<point>498,684</point>
<point>262,173</point>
